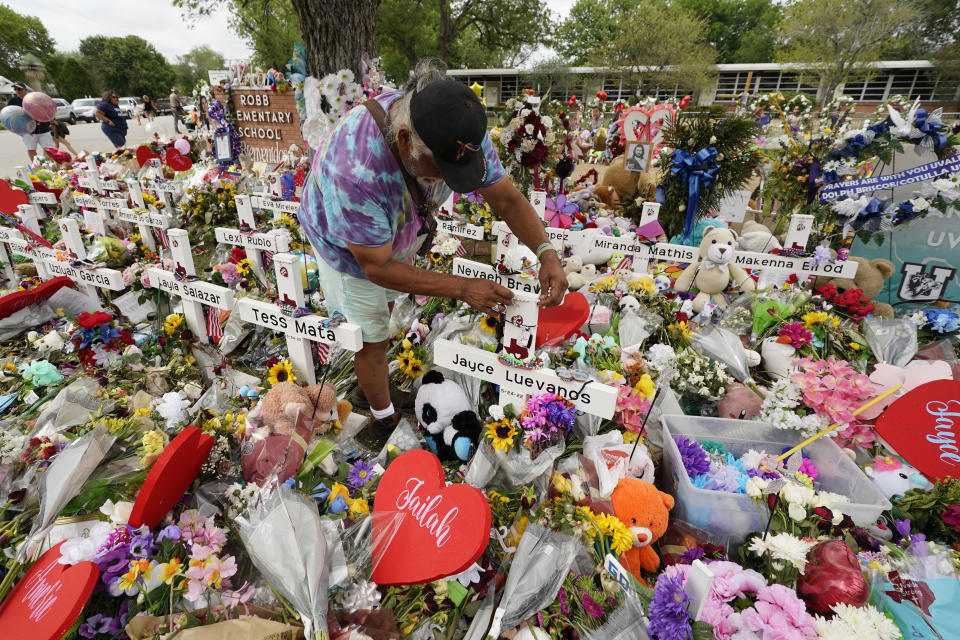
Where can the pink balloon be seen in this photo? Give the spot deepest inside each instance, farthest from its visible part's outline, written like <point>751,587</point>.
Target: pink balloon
<point>182,145</point>
<point>40,106</point>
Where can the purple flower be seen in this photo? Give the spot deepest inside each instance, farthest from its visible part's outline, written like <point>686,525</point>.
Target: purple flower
<point>669,619</point>
<point>142,546</point>
<point>360,473</point>
<point>564,608</point>
<point>169,532</point>
<point>591,607</point>
<point>114,562</point>
<point>95,625</point>
<point>903,527</point>
<point>694,458</point>
<point>821,255</point>
<point>691,554</point>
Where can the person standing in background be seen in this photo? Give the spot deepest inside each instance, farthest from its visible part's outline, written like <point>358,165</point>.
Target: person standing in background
<point>112,122</point>
<point>176,107</point>
<point>148,108</point>
<point>41,135</point>
<point>60,133</point>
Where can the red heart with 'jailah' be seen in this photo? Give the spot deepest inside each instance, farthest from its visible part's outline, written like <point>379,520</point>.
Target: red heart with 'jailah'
<point>177,161</point>
<point>556,324</point>
<point>923,426</point>
<point>10,198</point>
<point>144,154</point>
<point>170,476</point>
<point>48,599</point>
<point>443,529</point>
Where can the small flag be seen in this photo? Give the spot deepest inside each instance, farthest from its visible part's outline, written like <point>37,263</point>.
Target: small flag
<point>461,250</point>
<point>214,330</point>
<point>267,259</point>
<point>323,352</point>
<point>163,238</point>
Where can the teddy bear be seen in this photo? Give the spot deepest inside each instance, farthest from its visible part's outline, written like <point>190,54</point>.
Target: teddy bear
<point>448,417</point>
<point>617,185</point>
<point>870,278</point>
<point>713,269</point>
<point>579,279</point>
<point>757,238</point>
<point>739,402</point>
<point>645,510</point>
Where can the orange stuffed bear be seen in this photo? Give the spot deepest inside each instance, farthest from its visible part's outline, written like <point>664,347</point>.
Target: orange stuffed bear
<point>645,511</point>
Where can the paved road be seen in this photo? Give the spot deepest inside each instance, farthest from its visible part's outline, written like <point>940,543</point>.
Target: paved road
<point>82,136</point>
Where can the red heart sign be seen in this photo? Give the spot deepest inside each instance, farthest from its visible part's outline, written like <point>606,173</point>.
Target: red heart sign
<point>10,198</point>
<point>177,161</point>
<point>444,528</point>
<point>170,476</point>
<point>11,303</point>
<point>923,426</point>
<point>144,154</point>
<point>556,324</point>
<point>48,599</point>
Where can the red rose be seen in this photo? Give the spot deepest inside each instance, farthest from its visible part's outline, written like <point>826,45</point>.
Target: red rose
<point>91,320</point>
<point>237,254</point>
<point>827,291</point>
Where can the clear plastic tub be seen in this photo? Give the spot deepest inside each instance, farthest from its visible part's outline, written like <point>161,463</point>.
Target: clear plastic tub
<point>735,515</point>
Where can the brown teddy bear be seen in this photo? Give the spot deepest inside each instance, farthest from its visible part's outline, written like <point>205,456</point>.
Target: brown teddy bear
<point>870,278</point>
<point>713,269</point>
<point>617,185</point>
<point>645,510</point>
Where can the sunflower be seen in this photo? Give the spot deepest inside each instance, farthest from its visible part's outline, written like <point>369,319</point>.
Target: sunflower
<point>489,324</point>
<point>404,358</point>
<point>243,267</point>
<point>414,368</point>
<point>281,372</point>
<point>501,434</point>
<point>172,323</point>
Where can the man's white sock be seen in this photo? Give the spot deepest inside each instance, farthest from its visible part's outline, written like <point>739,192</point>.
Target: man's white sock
<point>380,414</point>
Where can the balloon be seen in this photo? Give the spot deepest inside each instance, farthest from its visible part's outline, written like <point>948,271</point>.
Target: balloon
<point>182,145</point>
<point>40,106</point>
<point>832,575</point>
<point>16,120</point>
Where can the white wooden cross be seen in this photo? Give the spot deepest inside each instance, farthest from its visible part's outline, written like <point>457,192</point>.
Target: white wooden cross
<point>89,279</point>
<point>300,332</point>
<point>517,383</point>
<point>23,248</point>
<point>146,219</point>
<point>6,234</point>
<point>278,207</point>
<point>38,198</point>
<point>255,243</point>
<point>28,218</point>
<point>194,294</point>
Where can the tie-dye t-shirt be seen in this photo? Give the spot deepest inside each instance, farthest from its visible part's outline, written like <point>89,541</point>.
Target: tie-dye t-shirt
<point>356,193</point>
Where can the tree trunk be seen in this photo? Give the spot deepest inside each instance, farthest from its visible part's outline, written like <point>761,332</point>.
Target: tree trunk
<point>446,32</point>
<point>336,33</point>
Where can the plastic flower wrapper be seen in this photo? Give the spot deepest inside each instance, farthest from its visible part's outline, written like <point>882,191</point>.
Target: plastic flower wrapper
<point>738,316</point>
<point>627,622</point>
<point>71,407</point>
<point>724,345</point>
<point>284,538</point>
<point>637,326</point>
<point>774,307</point>
<point>892,340</point>
<point>63,480</point>
<point>539,567</point>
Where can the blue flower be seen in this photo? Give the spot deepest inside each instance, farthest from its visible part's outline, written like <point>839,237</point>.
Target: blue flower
<point>169,532</point>
<point>320,493</point>
<point>339,505</point>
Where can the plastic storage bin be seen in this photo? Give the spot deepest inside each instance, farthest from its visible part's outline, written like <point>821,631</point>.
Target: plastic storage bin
<point>735,515</point>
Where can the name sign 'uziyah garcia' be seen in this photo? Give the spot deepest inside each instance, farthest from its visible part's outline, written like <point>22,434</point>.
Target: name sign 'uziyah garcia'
<point>444,528</point>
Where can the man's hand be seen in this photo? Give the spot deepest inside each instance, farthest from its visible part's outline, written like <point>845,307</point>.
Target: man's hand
<point>485,295</point>
<point>553,281</point>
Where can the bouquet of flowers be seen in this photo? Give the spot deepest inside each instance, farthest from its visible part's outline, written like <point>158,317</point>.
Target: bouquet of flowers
<point>97,343</point>
<point>527,140</point>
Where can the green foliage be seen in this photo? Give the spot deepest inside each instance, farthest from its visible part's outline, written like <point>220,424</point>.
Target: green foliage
<point>193,66</point>
<point>130,65</point>
<point>736,155</point>
<point>20,35</point>
<point>406,32</point>
<point>924,508</point>
<point>580,37</point>
<point>739,30</point>
<point>69,75</point>
<point>937,27</point>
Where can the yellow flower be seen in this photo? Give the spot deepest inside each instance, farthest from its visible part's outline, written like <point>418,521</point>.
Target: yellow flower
<point>560,483</point>
<point>644,283</point>
<point>683,328</point>
<point>243,267</point>
<point>489,324</point>
<point>170,570</point>
<point>855,346</point>
<point>338,489</point>
<point>142,412</point>
<point>644,386</point>
<point>501,434</point>
<point>813,317</point>
<point>629,437</point>
<point>406,344</point>
<point>153,442</point>
<point>611,377</point>
<point>281,372</point>
<point>404,358</point>
<point>358,506</point>
<point>172,323</point>
<point>414,369</point>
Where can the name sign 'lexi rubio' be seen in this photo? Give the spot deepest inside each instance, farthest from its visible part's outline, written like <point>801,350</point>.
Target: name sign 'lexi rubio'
<point>423,529</point>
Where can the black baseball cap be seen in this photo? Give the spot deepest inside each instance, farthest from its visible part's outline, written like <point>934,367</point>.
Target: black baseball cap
<point>448,117</point>
<point>19,85</point>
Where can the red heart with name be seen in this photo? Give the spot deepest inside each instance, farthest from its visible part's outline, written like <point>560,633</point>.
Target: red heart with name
<point>10,198</point>
<point>923,427</point>
<point>13,302</point>
<point>171,475</point>
<point>144,154</point>
<point>48,599</point>
<point>177,161</point>
<point>556,324</point>
<point>443,531</point>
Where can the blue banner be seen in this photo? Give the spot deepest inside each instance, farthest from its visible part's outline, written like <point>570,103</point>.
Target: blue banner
<point>922,173</point>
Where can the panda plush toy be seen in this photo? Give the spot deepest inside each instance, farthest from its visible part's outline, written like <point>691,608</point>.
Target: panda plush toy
<point>447,416</point>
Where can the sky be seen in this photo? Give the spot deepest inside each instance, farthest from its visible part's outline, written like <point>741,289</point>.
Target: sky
<point>156,21</point>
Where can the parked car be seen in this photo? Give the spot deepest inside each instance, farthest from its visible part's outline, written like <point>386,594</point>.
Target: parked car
<point>128,106</point>
<point>83,108</point>
<point>162,105</point>
<point>65,111</point>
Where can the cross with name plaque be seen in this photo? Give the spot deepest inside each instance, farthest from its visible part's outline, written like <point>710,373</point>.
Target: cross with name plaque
<point>300,330</point>
<point>89,279</point>
<point>255,243</point>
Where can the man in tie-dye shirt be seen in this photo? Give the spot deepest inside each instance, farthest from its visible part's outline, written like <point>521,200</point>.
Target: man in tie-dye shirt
<point>361,219</point>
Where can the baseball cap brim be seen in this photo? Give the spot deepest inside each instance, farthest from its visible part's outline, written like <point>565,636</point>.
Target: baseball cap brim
<point>465,176</point>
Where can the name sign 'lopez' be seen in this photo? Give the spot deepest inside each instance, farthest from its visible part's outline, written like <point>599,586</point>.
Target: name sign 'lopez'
<point>923,426</point>
<point>437,531</point>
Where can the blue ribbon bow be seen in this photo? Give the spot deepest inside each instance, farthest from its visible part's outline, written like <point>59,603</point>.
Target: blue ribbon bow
<point>699,171</point>
<point>870,216</point>
<point>930,129</point>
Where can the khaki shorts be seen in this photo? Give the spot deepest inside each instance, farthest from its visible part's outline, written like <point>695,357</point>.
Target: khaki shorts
<point>31,140</point>
<point>362,302</point>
